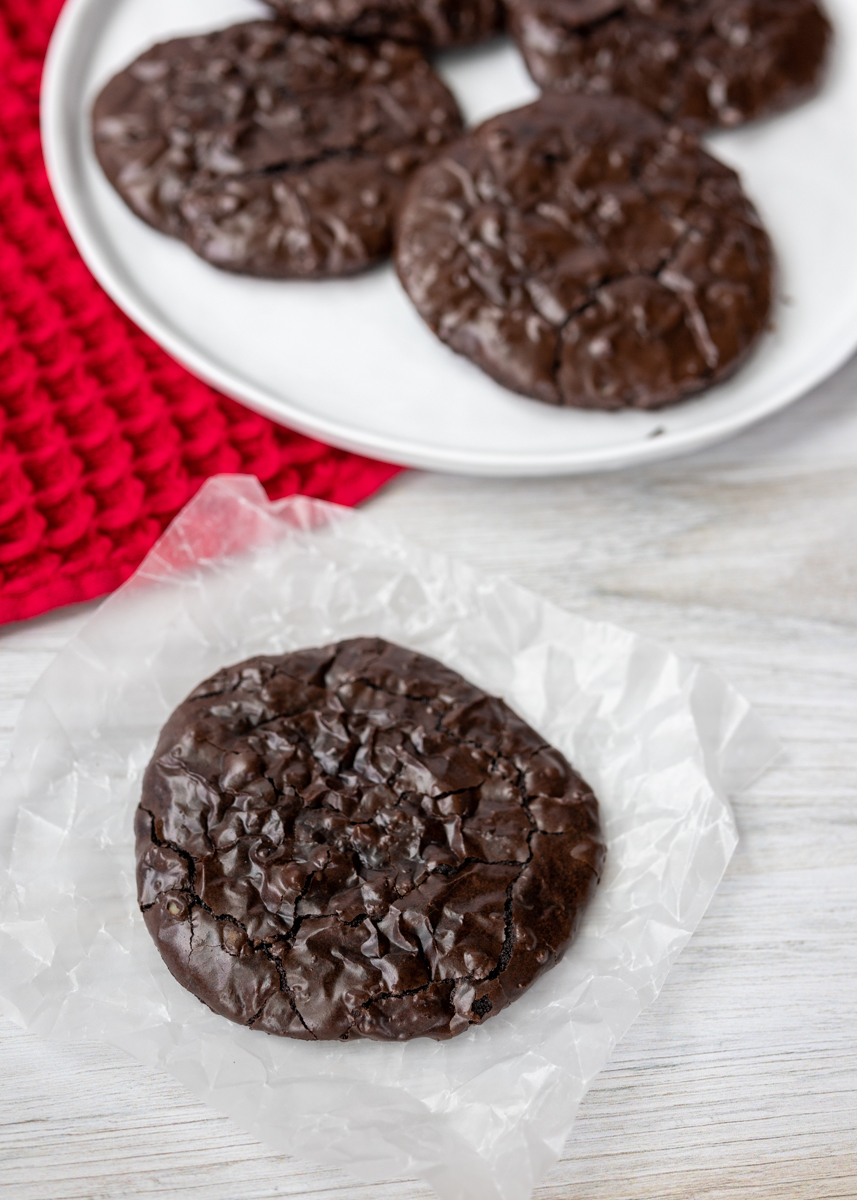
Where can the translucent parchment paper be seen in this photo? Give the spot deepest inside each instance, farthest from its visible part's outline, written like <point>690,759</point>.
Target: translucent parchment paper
<point>484,1116</point>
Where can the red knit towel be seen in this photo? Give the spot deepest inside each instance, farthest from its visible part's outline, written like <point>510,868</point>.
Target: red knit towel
<point>103,438</point>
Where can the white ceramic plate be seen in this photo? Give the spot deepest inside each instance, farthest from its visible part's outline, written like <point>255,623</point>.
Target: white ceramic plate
<point>351,362</point>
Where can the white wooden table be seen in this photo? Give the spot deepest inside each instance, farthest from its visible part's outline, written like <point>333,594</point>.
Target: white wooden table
<point>741,1081</point>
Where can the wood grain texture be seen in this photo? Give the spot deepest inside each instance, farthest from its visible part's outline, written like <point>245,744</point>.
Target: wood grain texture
<point>740,1083</point>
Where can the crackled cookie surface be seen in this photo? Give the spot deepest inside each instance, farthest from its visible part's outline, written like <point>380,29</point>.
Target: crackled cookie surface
<point>436,23</point>
<point>701,62</point>
<point>353,841</point>
<point>271,151</point>
<point>586,254</point>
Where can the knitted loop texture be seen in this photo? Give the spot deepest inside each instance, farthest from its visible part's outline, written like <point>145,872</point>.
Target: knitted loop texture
<point>103,438</point>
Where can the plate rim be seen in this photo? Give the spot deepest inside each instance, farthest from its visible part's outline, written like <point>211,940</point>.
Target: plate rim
<point>57,86</point>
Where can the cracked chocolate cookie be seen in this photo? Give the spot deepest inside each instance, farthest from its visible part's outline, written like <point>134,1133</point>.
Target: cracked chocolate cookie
<point>273,152</point>
<point>354,842</point>
<point>584,253</point>
<point>703,63</point>
<point>439,24</point>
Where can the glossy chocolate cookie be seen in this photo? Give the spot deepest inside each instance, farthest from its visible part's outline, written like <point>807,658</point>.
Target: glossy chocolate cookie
<point>273,152</point>
<point>354,842</point>
<point>433,23</point>
<point>584,253</point>
<point>701,62</point>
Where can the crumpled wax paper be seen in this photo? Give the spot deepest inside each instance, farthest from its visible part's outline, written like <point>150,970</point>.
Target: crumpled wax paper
<point>484,1116</point>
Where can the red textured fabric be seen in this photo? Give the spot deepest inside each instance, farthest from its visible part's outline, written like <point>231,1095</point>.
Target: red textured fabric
<point>103,438</point>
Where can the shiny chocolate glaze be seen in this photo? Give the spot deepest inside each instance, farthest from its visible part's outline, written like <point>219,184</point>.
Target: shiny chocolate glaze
<point>354,842</point>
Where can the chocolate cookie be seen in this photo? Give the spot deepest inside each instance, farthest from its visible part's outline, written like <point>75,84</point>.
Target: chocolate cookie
<point>701,62</point>
<point>584,253</point>
<point>354,842</point>
<point>273,152</point>
<point>434,23</point>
